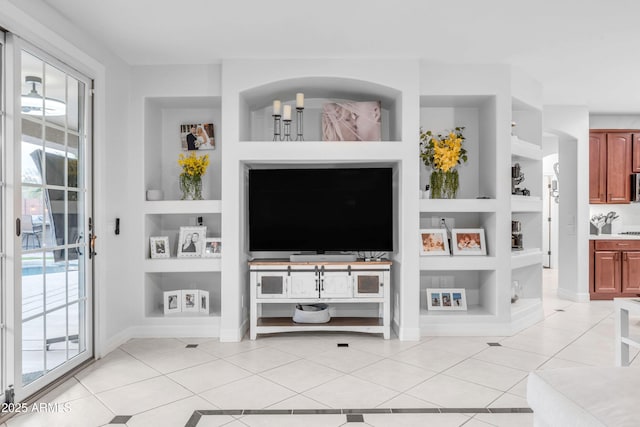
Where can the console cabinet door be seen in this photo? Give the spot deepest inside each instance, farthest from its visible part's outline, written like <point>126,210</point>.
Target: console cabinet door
<point>597,167</point>
<point>304,284</point>
<point>631,272</point>
<point>607,272</point>
<point>618,159</point>
<point>368,284</point>
<point>271,284</point>
<point>336,284</point>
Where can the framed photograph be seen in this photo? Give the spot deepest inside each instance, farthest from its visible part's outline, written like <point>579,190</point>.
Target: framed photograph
<point>191,241</point>
<point>190,301</point>
<point>212,247</point>
<point>197,136</point>
<point>172,302</point>
<point>446,299</point>
<point>433,241</point>
<point>468,241</point>
<point>351,121</point>
<point>203,301</point>
<point>159,247</point>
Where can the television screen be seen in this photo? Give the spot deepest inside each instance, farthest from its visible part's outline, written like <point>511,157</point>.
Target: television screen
<point>348,209</point>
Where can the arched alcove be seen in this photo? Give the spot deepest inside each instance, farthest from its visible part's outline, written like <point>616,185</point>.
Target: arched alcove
<point>256,105</point>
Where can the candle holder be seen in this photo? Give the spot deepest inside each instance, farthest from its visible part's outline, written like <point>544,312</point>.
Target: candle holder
<point>287,131</point>
<point>276,127</point>
<point>299,136</point>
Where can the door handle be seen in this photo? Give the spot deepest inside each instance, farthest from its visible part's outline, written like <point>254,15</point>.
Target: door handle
<point>78,251</point>
<point>92,245</point>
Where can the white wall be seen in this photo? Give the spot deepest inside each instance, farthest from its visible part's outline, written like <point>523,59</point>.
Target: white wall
<point>571,124</point>
<point>614,121</point>
<point>34,21</point>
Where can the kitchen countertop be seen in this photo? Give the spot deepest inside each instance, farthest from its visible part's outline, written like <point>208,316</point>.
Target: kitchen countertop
<point>614,237</point>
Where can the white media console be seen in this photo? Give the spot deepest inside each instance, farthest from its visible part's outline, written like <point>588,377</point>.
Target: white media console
<point>289,283</point>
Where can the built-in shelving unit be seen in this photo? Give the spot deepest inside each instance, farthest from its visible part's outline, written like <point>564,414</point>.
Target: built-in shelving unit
<point>412,95</point>
<point>163,117</point>
<point>250,89</point>
<point>476,206</point>
<point>526,263</point>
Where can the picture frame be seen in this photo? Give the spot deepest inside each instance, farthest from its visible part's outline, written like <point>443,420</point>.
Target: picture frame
<point>212,247</point>
<point>446,299</point>
<point>191,241</point>
<point>159,247</point>
<point>172,302</point>
<point>434,241</point>
<point>203,301</point>
<point>197,136</point>
<point>468,241</point>
<point>351,121</point>
<point>190,301</point>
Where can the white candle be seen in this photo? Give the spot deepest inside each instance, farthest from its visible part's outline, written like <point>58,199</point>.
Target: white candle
<point>276,107</point>
<point>287,113</point>
<point>299,100</point>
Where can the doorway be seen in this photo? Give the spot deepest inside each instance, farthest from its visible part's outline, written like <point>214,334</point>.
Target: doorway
<point>53,248</point>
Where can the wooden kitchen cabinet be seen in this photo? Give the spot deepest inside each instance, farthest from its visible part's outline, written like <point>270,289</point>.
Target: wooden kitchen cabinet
<point>615,268</point>
<point>610,166</point>
<point>607,272</point>
<point>631,272</point>
<point>635,153</point>
<point>597,167</point>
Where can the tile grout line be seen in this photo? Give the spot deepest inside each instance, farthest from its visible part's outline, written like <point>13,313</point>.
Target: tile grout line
<point>576,339</point>
<point>377,411</point>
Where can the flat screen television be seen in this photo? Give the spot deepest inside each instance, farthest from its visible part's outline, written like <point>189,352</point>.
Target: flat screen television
<point>321,210</point>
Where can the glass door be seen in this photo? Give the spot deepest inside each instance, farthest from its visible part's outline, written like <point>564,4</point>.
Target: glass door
<point>53,225</point>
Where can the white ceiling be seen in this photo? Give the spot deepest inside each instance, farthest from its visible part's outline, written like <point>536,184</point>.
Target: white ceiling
<point>583,51</point>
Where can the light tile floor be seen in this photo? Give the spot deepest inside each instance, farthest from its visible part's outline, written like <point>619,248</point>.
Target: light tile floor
<point>158,382</point>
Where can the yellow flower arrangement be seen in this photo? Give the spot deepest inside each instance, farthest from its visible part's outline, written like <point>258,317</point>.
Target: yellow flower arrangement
<point>193,167</point>
<point>443,154</point>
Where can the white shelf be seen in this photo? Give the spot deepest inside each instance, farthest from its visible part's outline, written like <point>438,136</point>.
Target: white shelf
<point>526,203</point>
<point>319,300</point>
<point>183,207</point>
<point>179,265</point>
<point>526,257</point>
<point>445,262</point>
<point>207,325</point>
<point>188,317</point>
<point>458,205</point>
<point>441,316</point>
<point>299,152</point>
<point>526,150</point>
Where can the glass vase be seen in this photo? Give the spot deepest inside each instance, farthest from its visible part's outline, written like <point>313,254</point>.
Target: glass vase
<point>191,187</point>
<point>444,185</point>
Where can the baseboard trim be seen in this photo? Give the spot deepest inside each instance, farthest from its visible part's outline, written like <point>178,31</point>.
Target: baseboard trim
<point>113,343</point>
<point>573,296</point>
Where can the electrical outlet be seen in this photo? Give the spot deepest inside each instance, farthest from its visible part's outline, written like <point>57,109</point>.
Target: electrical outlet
<point>436,222</point>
